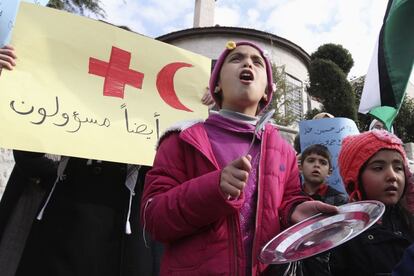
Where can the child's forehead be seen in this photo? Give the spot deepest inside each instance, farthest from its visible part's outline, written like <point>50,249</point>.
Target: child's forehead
<point>315,155</point>
<point>246,49</point>
<point>386,154</point>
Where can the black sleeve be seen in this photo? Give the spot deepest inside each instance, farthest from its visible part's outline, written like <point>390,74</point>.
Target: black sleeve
<point>35,165</point>
<point>339,261</point>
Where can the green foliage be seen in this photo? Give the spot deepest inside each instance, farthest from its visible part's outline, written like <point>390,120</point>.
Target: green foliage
<point>363,120</point>
<point>337,54</point>
<point>404,123</point>
<point>328,84</point>
<point>312,112</point>
<point>280,100</point>
<point>78,6</point>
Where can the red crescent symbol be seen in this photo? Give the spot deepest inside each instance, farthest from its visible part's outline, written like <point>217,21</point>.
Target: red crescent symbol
<point>165,85</point>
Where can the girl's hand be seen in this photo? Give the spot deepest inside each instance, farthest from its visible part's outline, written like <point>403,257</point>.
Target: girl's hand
<point>309,208</point>
<point>235,175</point>
<point>7,57</point>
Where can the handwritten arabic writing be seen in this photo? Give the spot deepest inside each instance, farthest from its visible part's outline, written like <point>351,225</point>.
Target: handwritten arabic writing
<point>74,121</point>
<point>75,116</point>
<point>319,131</point>
<point>139,129</point>
<point>325,142</point>
<point>157,124</point>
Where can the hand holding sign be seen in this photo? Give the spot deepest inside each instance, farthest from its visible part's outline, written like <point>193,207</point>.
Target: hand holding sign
<point>7,57</point>
<point>8,11</point>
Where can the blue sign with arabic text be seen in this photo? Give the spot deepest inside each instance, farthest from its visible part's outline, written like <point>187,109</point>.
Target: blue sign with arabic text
<point>328,132</point>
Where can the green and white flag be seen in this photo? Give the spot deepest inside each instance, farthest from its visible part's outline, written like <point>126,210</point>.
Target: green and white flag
<point>391,65</point>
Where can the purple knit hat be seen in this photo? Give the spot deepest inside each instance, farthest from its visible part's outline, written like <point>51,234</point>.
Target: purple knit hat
<point>231,45</point>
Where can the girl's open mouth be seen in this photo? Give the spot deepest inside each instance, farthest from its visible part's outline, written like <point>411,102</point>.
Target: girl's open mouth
<point>246,75</point>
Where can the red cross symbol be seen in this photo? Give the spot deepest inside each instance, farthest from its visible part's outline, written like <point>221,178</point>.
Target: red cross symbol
<point>116,73</point>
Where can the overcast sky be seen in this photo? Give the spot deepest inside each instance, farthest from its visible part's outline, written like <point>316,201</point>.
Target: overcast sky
<point>352,23</point>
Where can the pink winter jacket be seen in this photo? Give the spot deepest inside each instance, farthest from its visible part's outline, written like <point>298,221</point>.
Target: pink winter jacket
<point>183,206</point>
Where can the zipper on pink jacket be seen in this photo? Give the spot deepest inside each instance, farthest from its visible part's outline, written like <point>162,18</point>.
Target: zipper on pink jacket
<point>233,224</point>
<point>258,199</point>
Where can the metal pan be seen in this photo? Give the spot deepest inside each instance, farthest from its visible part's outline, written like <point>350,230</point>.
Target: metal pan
<point>321,232</point>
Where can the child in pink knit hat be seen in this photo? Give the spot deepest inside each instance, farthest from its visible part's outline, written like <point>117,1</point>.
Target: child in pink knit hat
<point>213,200</point>
<point>373,166</point>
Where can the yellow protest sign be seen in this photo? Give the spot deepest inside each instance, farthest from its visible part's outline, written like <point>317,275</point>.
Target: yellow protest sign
<point>88,89</point>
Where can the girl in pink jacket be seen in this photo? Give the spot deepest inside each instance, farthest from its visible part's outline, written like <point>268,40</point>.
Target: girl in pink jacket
<point>213,200</point>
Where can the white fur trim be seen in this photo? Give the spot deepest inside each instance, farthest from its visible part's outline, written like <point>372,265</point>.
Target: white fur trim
<point>177,127</point>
